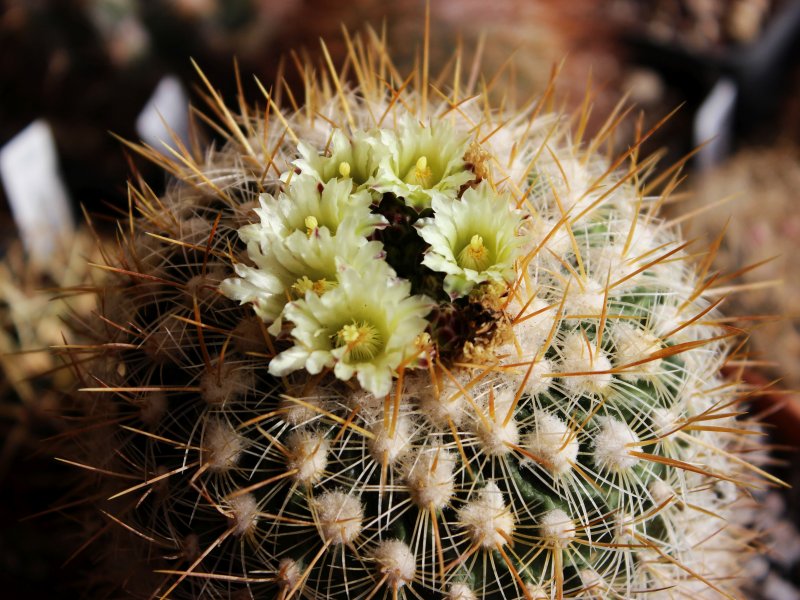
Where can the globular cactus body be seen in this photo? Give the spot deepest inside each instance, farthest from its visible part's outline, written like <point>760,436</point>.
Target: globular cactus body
<point>452,353</point>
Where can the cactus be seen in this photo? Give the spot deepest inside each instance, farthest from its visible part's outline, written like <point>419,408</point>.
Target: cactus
<point>36,296</point>
<point>405,343</point>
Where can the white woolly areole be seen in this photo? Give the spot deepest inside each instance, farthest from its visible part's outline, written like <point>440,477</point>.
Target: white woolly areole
<point>308,454</point>
<point>296,413</point>
<point>665,421</point>
<point>153,408</point>
<point>368,404</point>
<point>340,517</point>
<point>587,300</point>
<point>222,445</point>
<point>496,436</point>
<point>660,491</point>
<point>592,581</point>
<point>390,443</point>
<point>442,404</point>
<point>694,395</point>
<point>666,318</point>
<point>537,381</point>
<point>580,357</point>
<point>556,527</point>
<point>632,345</point>
<point>625,528</point>
<point>575,185</point>
<point>553,441</point>
<point>611,446</point>
<point>219,386</point>
<point>461,591</point>
<point>528,335</point>
<point>244,513</point>
<point>289,572</point>
<point>531,327</point>
<point>607,258</point>
<point>558,242</point>
<point>536,592</point>
<point>487,519</point>
<point>396,561</point>
<point>628,254</point>
<point>430,479</point>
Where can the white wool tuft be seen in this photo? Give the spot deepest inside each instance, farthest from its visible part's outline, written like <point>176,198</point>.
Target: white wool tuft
<point>487,519</point>
<point>289,572</point>
<point>553,441</point>
<point>634,344</point>
<point>585,301</point>
<point>430,478</point>
<point>396,561</point>
<point>339,516</point>
<point>536,592</point>
<point>580,357</point>
<point>390,444</point>
<point>442,404</point>
<point>300,413</point>
<point>592,582</point>
<point>495,435</point>
<point>613,444</point>
<point>218,386</point>
<point>244,513</point>
<point>531,322</point>
<point>556,527</point>
<point>222,445</point>
<point>461,591</point>
<point>308,453</point>
<point>660,491</point>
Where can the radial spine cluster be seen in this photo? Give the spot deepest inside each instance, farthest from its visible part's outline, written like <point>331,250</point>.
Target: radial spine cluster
<point>400,343</point>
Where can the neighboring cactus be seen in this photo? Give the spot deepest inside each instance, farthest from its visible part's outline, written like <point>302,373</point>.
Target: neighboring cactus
<point>763,231</point>
<point>400,343</point>
<point>35,298</point>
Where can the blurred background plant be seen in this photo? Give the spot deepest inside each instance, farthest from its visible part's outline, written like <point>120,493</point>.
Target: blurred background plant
<point>35,300</point>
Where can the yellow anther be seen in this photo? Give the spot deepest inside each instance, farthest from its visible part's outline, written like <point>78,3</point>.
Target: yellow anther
<point>474,255</point>
<point>361,340</point>
<point>349,334</point>
<point>422,172</point>
<point>311,224</point>
<point>344,169</point>
<point>319,287</point>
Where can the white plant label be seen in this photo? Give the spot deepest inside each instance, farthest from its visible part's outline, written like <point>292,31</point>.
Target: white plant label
<point>165,114</point>
<point>36,193</point>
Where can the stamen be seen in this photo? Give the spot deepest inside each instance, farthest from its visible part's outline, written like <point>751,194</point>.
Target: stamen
<point>363,341</point>
<point>474,255</point>
<point>319,287</point>
<point>311,224</point>
<point>421,173</point>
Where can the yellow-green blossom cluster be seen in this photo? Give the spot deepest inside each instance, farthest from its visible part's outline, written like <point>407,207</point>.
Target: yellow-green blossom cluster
<point>318,274</point>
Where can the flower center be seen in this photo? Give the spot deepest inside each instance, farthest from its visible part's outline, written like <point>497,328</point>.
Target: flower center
<point>474,255</point>
<point>421,173</point>
<point>362,340</point>
<point>319,287</point>
<point>311,224</point>
<point>344,169</point>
